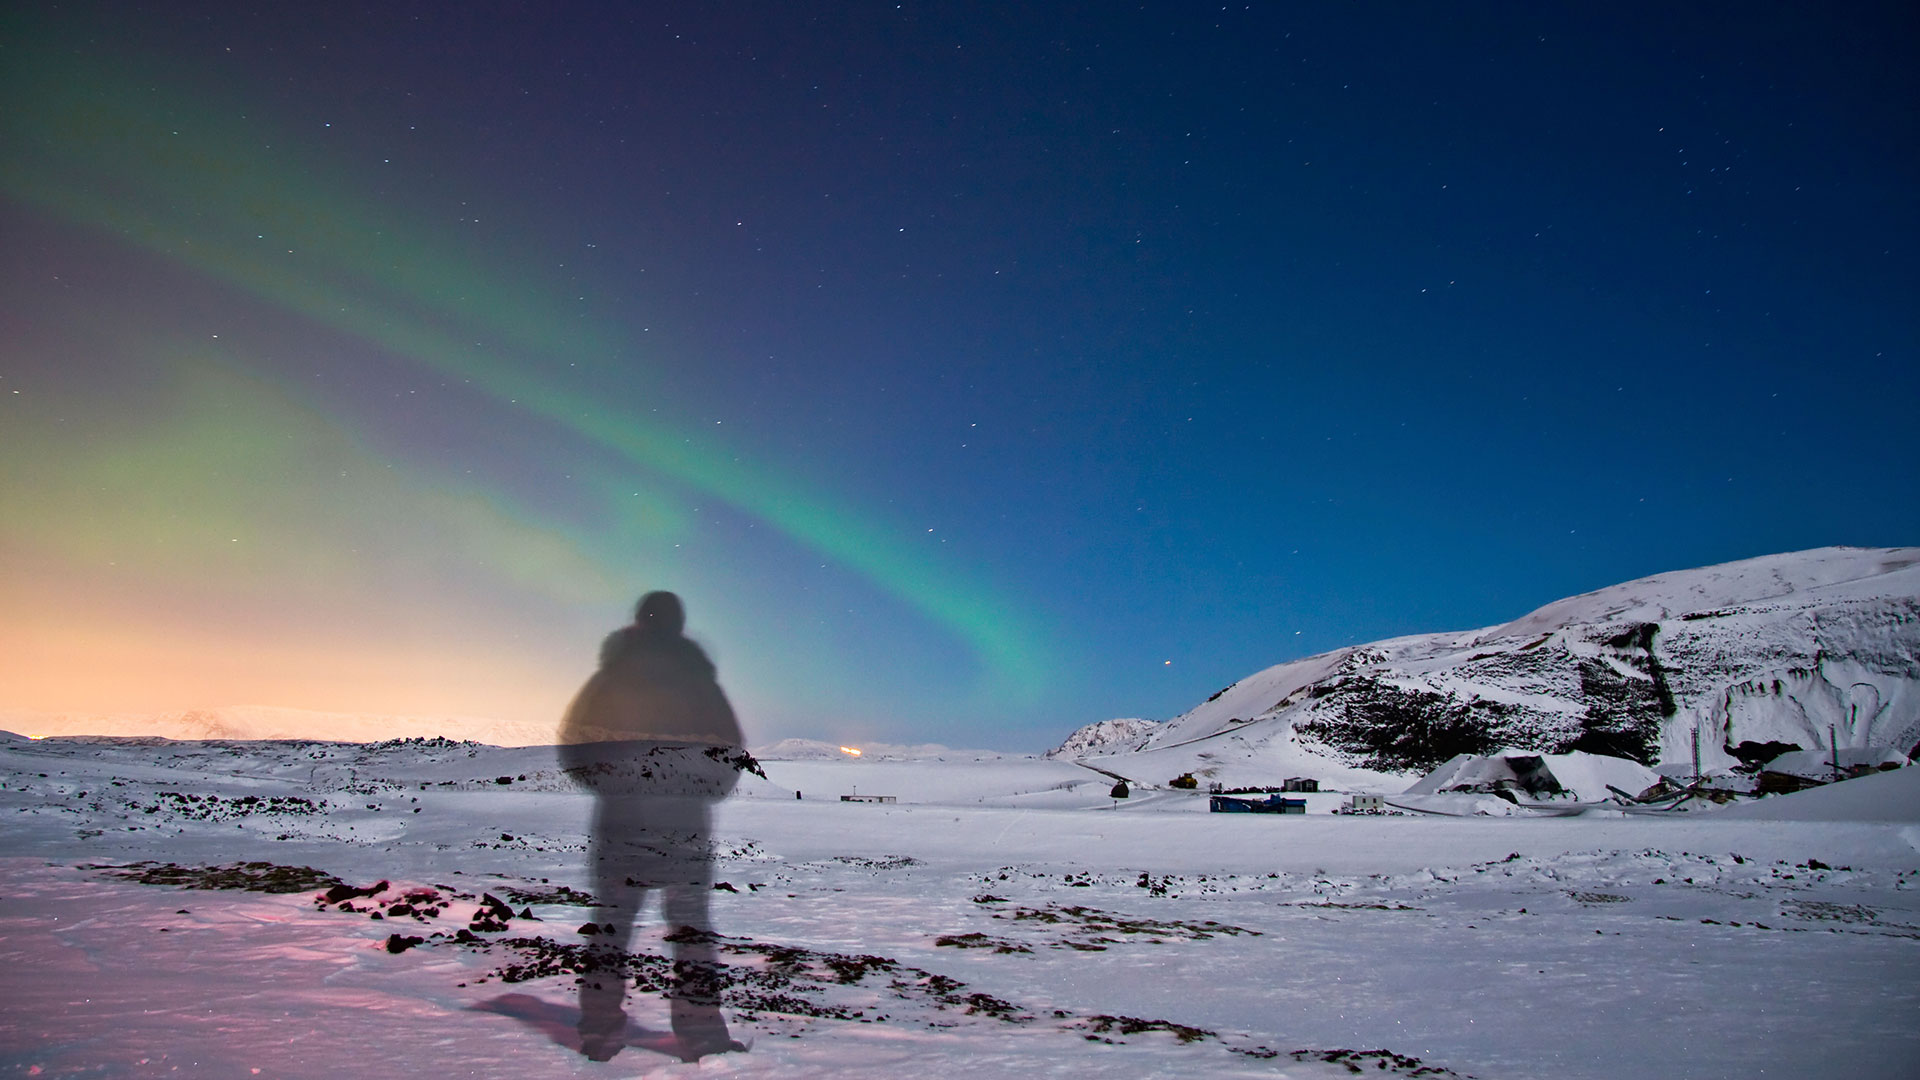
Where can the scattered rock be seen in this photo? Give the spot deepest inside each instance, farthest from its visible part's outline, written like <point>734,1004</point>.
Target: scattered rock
<point>263,877</point>
<point>343,892</point>
<point>980,941</point>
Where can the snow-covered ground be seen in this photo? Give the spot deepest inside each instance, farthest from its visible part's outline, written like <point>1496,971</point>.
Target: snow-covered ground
<point>1004,917</point>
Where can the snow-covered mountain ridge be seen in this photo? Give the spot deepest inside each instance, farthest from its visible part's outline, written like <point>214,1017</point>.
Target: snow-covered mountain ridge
<point>815,750</point>
<point>1106,737</point>
<point>1771,649</point>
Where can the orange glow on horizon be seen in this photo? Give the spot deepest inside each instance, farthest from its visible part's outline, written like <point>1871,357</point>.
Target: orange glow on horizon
<point>130,661</point>
<point>850,750</point>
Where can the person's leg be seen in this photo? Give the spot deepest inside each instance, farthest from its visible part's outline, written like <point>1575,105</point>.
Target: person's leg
<point>603,984</point>
<point>698,975</point>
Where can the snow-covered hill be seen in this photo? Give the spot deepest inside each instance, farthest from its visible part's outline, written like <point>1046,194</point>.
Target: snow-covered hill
<point>1773,649</point>
<point>1106,737</point>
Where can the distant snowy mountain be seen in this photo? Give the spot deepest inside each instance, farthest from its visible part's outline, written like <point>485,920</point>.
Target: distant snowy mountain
<point>1773,649</point>
<point>1106,737</point>
<point>814,750</point>
<point>255,722</point>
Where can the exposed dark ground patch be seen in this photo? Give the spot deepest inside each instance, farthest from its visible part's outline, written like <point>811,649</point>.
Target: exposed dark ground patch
<point>1088,929</point>
<point>560,895</point>
<point>1099,1027</point>
<point>219,808</point>
<point>980,941</point>
<point>885,862</point>
<point>262,877</point>
<point>1382,1061</point>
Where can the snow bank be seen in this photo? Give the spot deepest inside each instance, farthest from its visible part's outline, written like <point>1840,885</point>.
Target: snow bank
<point>1818,764</point>
<point>1889,796</point>
<point>1583,776</point>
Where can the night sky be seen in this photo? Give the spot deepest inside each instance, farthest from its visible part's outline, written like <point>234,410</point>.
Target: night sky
<point>973,371</point>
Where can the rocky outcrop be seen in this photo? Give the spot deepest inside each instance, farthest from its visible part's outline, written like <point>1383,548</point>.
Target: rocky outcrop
<point>1105,737</point>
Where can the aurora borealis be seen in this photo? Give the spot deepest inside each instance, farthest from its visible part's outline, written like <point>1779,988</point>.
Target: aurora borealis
<point>973,376</point>
<point>179,182</point>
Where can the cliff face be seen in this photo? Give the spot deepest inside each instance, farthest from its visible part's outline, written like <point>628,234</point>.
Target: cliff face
<point>1597,689</point>
<point>1773,649</point>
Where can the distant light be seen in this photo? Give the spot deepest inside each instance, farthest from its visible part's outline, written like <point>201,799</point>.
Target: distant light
<point>851,751</point>
<point>36,737</point>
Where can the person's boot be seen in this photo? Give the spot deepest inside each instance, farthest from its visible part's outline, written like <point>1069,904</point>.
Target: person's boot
<point>699,1029</point>
<point>603,1023</point>
<point>603,1037</point>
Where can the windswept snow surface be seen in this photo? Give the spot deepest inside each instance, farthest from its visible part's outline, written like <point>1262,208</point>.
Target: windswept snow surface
<point>1002,918</point>
<point>1892,796</point>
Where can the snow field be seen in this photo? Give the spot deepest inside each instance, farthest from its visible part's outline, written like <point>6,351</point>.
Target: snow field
<point>1702,947</point>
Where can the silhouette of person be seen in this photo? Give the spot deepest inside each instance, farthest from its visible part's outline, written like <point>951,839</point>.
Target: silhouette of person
<point>652,735</point>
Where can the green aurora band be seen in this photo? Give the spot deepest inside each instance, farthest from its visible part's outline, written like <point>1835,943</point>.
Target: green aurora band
<point>155,168</point>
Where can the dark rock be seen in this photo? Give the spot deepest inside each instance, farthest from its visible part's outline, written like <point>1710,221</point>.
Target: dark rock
<point>343,892</point>
<point>1752,754</point>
